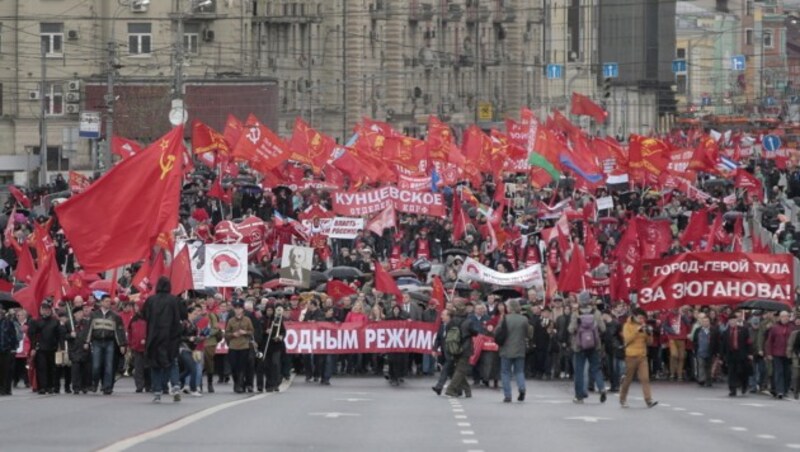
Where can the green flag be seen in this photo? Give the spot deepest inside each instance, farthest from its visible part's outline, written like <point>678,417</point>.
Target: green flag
<point>535,159</point>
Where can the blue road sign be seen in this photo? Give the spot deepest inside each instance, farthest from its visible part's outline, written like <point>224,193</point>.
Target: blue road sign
<point>706,101</point>
<point>771,143</point>
<point>678,65</point>
<point>610,70</point>
<point>737,62</point>
<point>769,101</point>
<point>555,71</point>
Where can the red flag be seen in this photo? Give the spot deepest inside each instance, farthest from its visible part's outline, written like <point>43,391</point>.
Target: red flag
<point>337,289</point>
<point>25,266</point>
<point>205,139</point>
<point>217,192</point>
<point>714,233</point>
<point>181,272</point>
<point>583,106</point>
<point>117,219</point>
<point>591,245</point>
<point>571,279</point>
<point>47,282</point>
<point>758,246</point>
<point>384,219</point>
<point>697,228</point>
<point>141,280</point>
<point>380,127</point>
<point>438,293</point>
<point>459,219</point>
<point>749,183</point>
<point>233,131</point>
<point>738,235</point>
<point>19,196</point>
<point>647,156</point>
<point>705,156</point>
<point>260,147</point>
<point>386,284</point>
<point>309,146</point>
<point>440,141</point>
<point>78,182</point>
<point>124,147</point>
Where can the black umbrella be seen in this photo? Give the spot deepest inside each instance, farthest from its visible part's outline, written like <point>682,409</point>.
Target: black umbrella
<point>402,273</point>
<point>255,271</point>
<point>8,301</point>
<point>318,278</point>
<point>455,252</point>
<point>460,285</point>
<point>765,305</point>
<point>420,297</point>
<point>344,272</point>
<point>407,281</point>
<point>506,293</point>
<point>251,189</point>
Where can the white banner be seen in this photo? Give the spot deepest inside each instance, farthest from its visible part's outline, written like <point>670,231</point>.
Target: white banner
<point>605,203</point>
<point>225,265</point>
<point>473,270</point>
<point>336,228</point>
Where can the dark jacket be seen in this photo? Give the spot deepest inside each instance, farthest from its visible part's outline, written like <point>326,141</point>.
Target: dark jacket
<point>162,312</point>
<point>713,340</point>
<point>8,335</point>
<point>519,332</point>
<point>744,345</point>
<point>613,340</point>
<point>77,352</point>
<point>107,327</point>
<point>468,331</point>
<point>46,334</point>
<point>777,339</point>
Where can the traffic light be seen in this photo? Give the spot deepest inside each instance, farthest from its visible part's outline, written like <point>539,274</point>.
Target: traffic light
<point>607,88</point>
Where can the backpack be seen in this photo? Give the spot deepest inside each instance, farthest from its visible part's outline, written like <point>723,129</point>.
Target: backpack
<point>452,341</point>
<point>588,339</point>
<point>501,334</point>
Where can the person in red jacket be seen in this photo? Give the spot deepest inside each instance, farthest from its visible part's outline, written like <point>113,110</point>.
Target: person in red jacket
<point>137,336</point>
<point>775,351</point>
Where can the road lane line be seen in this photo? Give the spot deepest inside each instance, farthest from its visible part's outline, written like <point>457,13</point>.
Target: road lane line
<point>460,416</point>
<point>716,421</point>
<point>463,424</point>
<point>467,432</point>
<point>176,425</point>
<point>766,436</point>
<point>469,441</point>
<point>739,429</point>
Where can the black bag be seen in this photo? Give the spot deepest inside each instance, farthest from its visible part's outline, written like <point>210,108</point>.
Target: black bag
<point>501,334</point>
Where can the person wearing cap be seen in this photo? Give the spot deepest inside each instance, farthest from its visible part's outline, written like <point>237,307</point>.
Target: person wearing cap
<point>587,328</point>
<point>45,335</point>
<point>239,335</point>
<point>106,333</point>
<point>78,354</point>
<point>163,314</point>
<point>8,346</point>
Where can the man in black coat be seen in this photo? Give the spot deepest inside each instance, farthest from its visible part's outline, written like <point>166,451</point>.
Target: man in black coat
<point>45,335</point>
<point>163,314</point>
<point>8,347</point>
<point>737,349</point>
<point>78,354</point>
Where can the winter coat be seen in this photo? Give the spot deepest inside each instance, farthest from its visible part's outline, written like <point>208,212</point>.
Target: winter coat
<point>46,334</point>
<point>234,325</point>
<point>162,313</point>
<point>8,336</point>
<point>77,351</point>
<point>777,339</point>
<point>598,323</point>
<point>519,332</point>
<point>137,334</point>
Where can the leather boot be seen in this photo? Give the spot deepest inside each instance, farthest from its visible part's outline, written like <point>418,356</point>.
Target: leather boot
<point>210,384</point>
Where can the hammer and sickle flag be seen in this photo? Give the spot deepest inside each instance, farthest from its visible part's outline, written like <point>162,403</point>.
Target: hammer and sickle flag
<point>118,219</point>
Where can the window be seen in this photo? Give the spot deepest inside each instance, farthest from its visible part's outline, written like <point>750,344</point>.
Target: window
<point>55,162</point>
<point>680,53</point>
<point>748,5</point>
<point>680,80</point>
<point>191,38</point>
<point>748,36</point>
<point>54,99</point>
<point>1,37</point>
<point>140,39</point>
<point>52,38</point>
<point>766,39</point>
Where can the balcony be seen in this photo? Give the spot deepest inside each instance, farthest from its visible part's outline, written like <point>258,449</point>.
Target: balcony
<point>292,13</point>
<point>453,12</point>
<point>379,10</point>
<point>479,14</point>
<point>420,12</point>
<point>505,15</point>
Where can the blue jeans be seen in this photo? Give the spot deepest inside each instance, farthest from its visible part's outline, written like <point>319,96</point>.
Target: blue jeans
<point>103,359</point>
<point>164,377</point>
<point>189,370</point>
<point>595,375</point>
<point>757,378</point>
<point>428,364</point>
<point>781,374</point>
<point>616,371</point>
<point>505,374</point>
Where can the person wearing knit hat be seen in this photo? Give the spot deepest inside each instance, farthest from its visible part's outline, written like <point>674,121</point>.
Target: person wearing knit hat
<point>587,327</point>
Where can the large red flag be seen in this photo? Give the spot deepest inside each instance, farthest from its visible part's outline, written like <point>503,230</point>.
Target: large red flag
<point>438,293</point>
<point>583,106</point>
<point>386,284</point>
<point>697,228</point>
<point>260,147</point>
<point>749,183</point>
<point>309,146</point>
<point>337,289</point>
<point>459,219</point>
<point>205,139</point>
<point>440,141</point>
<point>117,220</point>
<point>25,266</point>
<point>19,196</point>
<point>647,158</point>
<point>571,279</point>
<point>233,131</point>
<point>124,147</point>
<point>181,272</point>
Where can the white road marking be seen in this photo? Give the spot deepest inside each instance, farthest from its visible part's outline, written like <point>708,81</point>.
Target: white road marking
<point>666,405</point>
<point>467,432</point>
<point>739,429</point>
<point>352,399</point>
<point>460,416</point>
<point>174,426</point>
<point>588,419</point>
<point>679,409</point>
<point>716,421</point>
<point>695,413</point>
<point>458,410</point>
<point>333,415</point>
<point>469,441</point>
<point>766,436</point>
<point>463,424</point>
<point>793,446</point>
<point>475,450</point>
<point>757,405</point>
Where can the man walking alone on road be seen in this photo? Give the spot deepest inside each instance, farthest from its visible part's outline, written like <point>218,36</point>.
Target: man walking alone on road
<point>517,331</point>
<point>163,315</point>
<point>636,336</point>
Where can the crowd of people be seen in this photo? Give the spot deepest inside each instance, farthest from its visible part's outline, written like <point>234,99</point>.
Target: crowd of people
<point>187,345</point>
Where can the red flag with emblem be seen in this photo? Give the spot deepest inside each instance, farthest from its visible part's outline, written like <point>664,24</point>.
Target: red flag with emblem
<point>583,106</point>
<point>78,182</point>
<point>205,139</point>
<point>261,148</point>
<point>124,147</point>
<point>337,289</point>
<point>233,131</point>
<point>749,183</point>
<point>310,146</point>
<point>440,141</point>
<point>19,196</point>
<point>118,218</point>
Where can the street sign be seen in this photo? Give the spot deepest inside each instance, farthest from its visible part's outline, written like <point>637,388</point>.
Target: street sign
<point>771,143</point>
<point>737,62</point>
<point>769,101</point>
<point>555,71</point>
<point>706,101</point>
<point>610,70</point>
<point>678,66</point>
<point>90,125</point>
<point>485,111</point>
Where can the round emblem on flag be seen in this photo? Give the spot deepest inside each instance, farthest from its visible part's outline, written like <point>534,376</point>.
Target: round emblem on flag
<point>225,267</point>
<point>473,269</point>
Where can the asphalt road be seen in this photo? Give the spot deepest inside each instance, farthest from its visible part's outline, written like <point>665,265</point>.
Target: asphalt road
<point>356,414</point>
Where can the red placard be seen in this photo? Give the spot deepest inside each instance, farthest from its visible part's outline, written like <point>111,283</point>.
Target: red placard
<point>715,278</point>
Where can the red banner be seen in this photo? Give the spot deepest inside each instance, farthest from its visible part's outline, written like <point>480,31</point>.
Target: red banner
<point>715,278</point>
<point>355,204</point>
<point>394,336</point>
<point>414,183</point>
